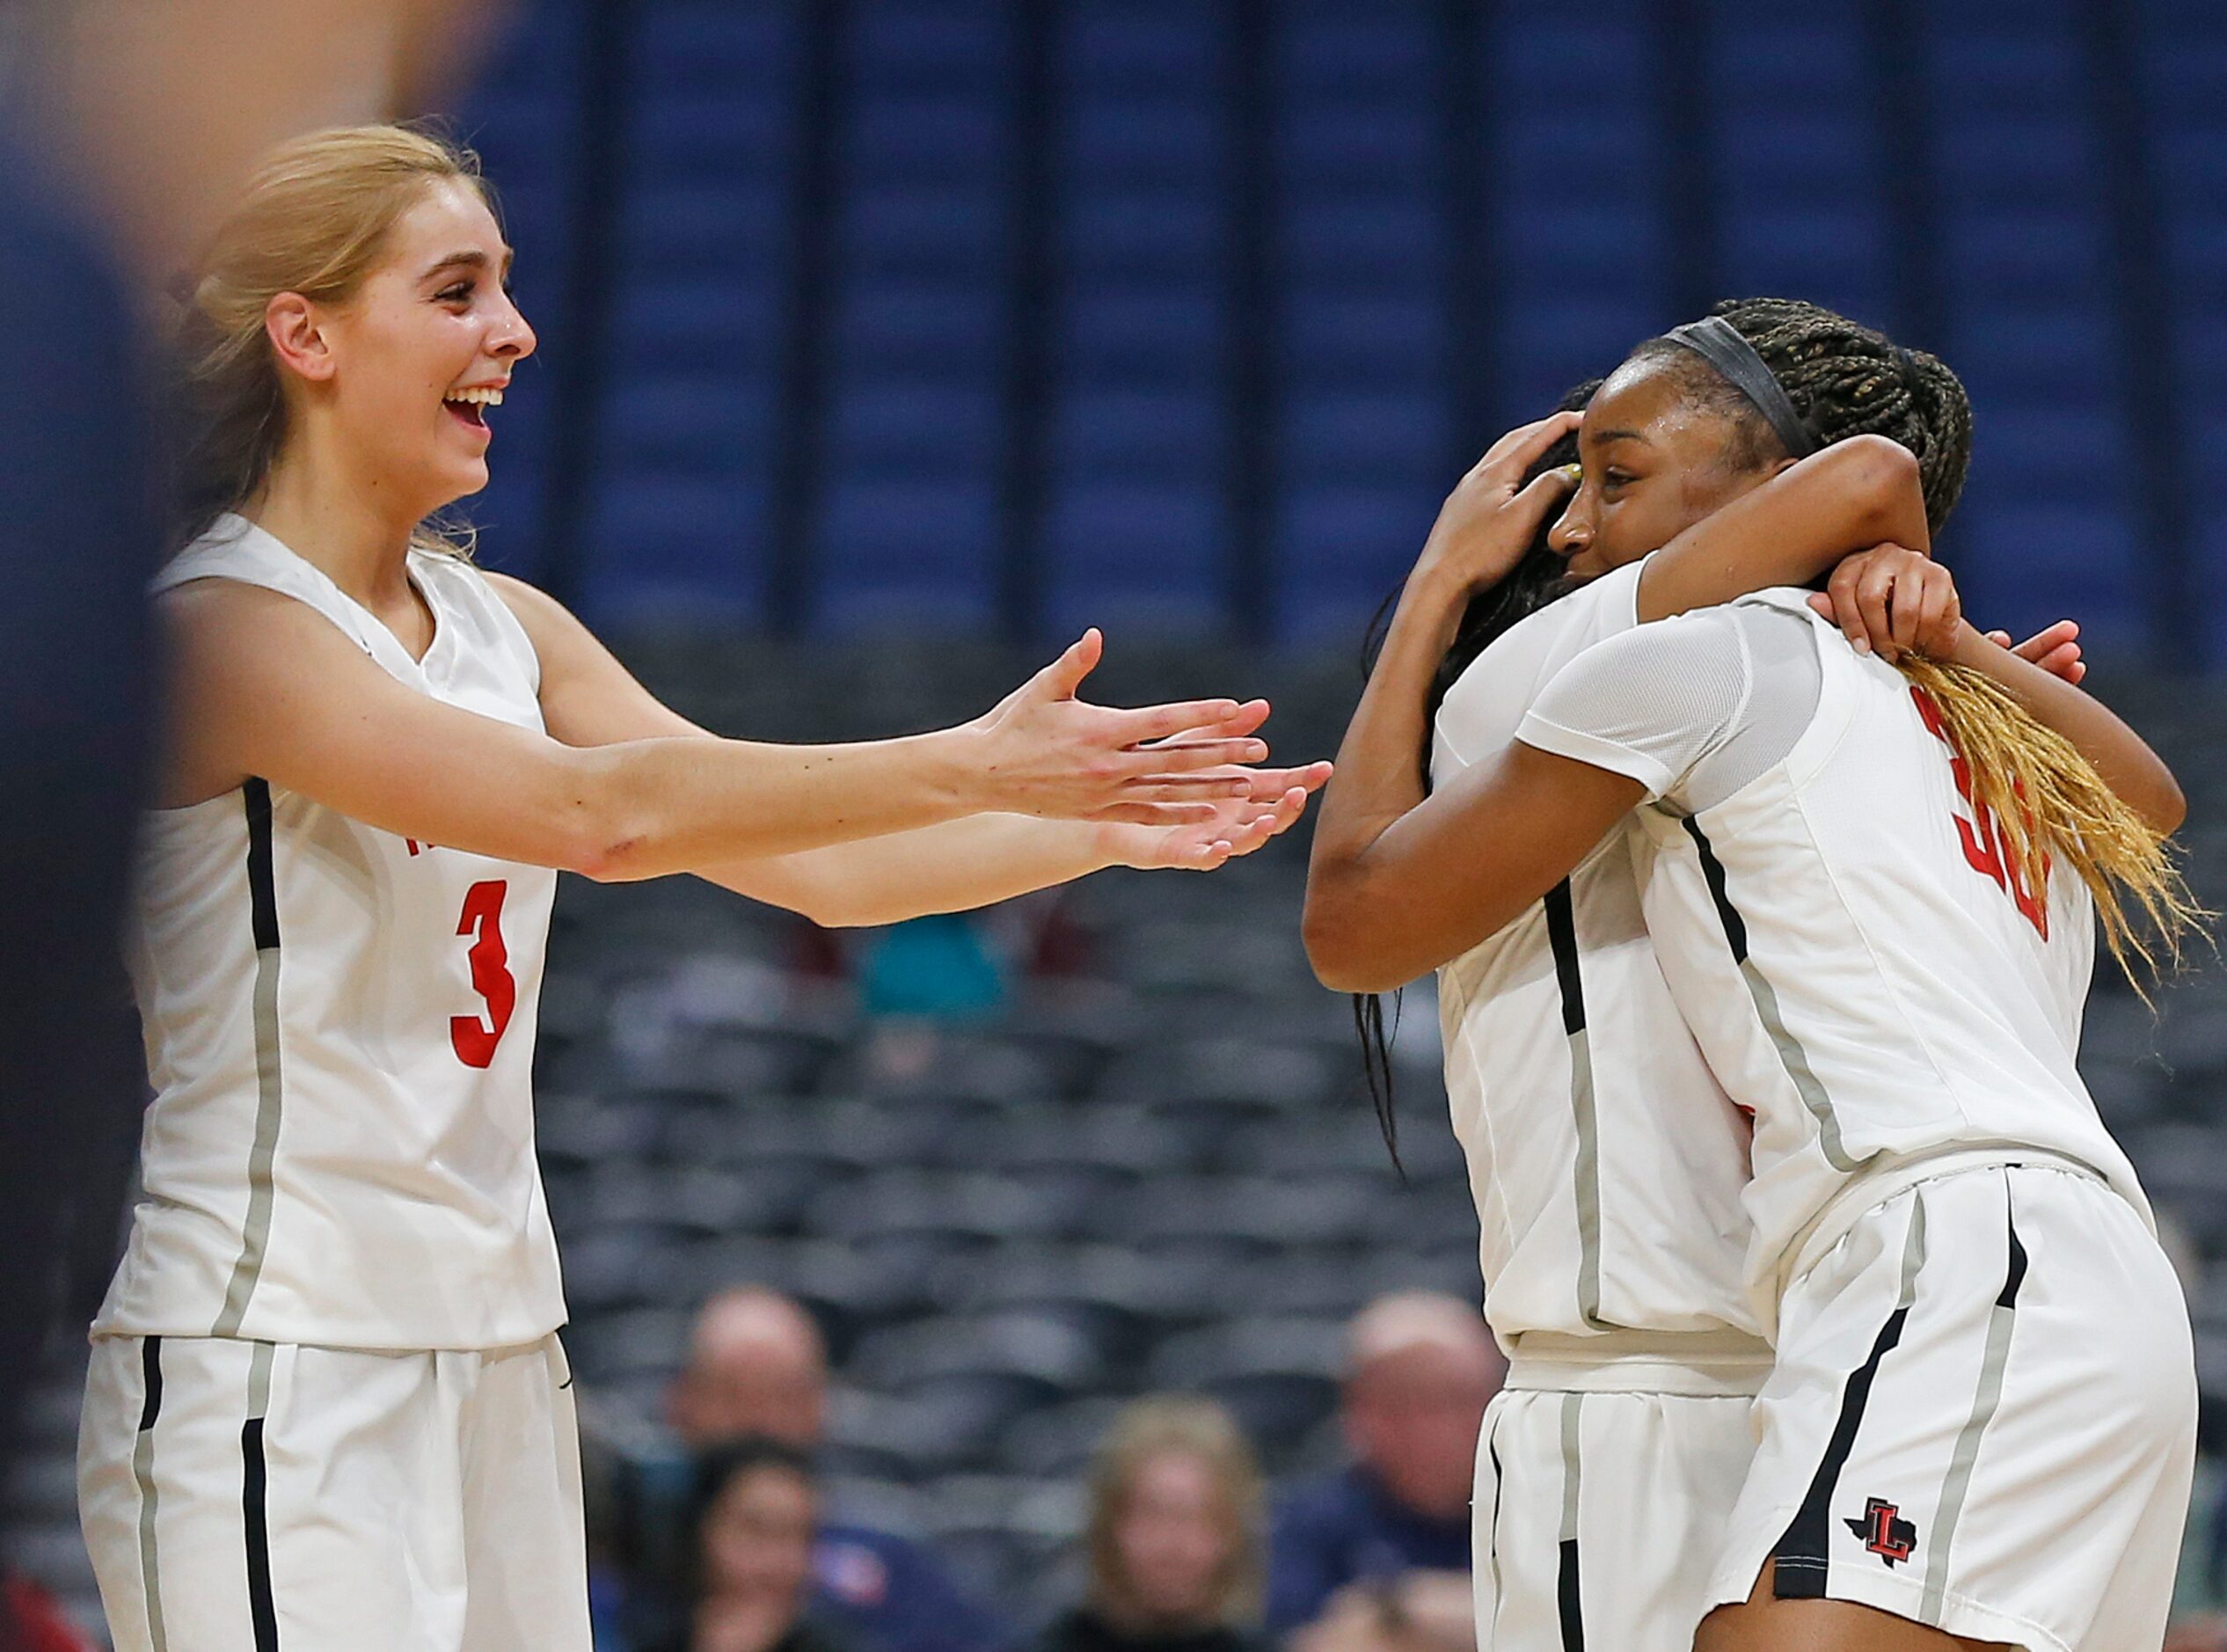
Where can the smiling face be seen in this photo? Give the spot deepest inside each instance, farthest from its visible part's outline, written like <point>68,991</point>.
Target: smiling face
<point>401,376</point>
<point>757,1539</point>
<point>1173,1537</point>
<point>1657,459</point>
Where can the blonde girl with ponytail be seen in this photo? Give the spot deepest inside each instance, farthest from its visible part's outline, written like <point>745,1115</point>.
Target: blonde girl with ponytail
<point>1872,867</point>
<point>327,1408</point>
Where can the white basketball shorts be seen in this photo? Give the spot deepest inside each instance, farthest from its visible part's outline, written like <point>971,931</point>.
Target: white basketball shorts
<point>1983,1418</point>
<point>1599,1516</point>
<point>241,1496</point>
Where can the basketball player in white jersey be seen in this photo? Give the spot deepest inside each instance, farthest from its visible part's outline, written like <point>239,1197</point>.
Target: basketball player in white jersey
<point>327,1409</point>
<point>1606,1161</point>
<point>1980,1423</point>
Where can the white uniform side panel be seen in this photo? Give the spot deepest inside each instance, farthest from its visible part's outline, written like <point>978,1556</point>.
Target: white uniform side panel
<point>340,1028</point>
<point>1606,1163</point>
<point>1858,975</point>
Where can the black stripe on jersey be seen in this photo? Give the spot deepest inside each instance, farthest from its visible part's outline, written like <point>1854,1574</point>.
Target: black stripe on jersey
<point>1492,1526</point>
<point>1801,1555</point>
<point>1572,1612</point>
<point>1713,869</point>
<point>262,892</point>
<point>1561,935</point>
<point>2015,1274</point>
<point>150,1369</point>
<point>257,1526</point>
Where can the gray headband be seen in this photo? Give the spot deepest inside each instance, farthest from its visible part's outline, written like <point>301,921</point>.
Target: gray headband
<point>1718,342</point>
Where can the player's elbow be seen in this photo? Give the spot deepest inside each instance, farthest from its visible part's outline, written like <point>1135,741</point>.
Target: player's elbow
<point>2167,806</point>
<point>1882,476</point>
<point>593,827</point>
<point>1338,944</point>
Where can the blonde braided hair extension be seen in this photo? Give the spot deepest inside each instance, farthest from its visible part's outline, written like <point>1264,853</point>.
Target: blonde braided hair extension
<point>2048,805</point>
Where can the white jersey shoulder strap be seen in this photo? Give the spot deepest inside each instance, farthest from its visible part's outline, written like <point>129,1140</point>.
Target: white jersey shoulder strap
<point>458,594</point>
<point>1844,675</point>
<point>235,549</point>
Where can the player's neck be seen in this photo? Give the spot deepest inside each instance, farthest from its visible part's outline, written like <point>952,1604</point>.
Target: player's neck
<point>335,521</point>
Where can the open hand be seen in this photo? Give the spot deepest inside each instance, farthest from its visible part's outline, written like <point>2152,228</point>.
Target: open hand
<point>1042,751</point>
<point>1490,519</point>
<point>1274,803</point>
<point>1240,826</point>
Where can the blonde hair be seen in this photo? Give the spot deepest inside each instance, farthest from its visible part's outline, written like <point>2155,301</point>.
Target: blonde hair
<point>314,219</point>
<point>1197,1429</point>
<point>2037,802</point>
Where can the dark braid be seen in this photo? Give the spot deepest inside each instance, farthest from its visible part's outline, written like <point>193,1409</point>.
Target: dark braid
<point>1844,379</point>
<point>1537,578</point>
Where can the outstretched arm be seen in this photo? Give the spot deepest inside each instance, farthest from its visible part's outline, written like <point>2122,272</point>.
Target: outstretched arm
<point>268,688</point>
<point>590,699</point>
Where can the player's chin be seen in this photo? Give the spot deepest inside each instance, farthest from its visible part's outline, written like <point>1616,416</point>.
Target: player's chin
<point>461,477</point>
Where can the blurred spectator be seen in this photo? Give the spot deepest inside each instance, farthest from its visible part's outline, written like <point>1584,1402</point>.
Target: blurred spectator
<point>1419,1370</point>
<point>1174,1537</point>
<point>39,1624</point>
<point>757,1365</point>
<point>1421,1612</point>
<point>129,124</point>
<point>938,968</point>
<point>2200,1590</point>
<point>754,1518</point>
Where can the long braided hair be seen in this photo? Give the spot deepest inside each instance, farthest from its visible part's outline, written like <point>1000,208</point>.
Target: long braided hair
<point>2046,802</point>
<point>1537,579</point>
<point>2043,801</point>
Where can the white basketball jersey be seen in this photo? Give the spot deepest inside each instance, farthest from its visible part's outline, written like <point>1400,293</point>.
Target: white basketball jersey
<point>1863,969</point>
<point>339,1029</point>
<point>1606,1163</point>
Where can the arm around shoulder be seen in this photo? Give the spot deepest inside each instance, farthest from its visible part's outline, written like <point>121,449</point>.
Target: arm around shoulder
<point>1791,528</point>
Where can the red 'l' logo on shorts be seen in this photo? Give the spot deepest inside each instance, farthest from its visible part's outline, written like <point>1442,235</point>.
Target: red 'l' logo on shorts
<point>1884,1531</point>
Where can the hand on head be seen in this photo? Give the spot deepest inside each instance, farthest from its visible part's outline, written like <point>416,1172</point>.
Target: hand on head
<point>1491,518</point>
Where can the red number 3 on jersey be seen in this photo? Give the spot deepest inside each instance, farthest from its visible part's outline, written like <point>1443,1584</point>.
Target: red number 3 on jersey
<point>1983,849</point>
<point>476,1039</point>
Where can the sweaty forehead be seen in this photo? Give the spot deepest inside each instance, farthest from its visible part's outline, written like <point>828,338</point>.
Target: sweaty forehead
<point>1654,397</point>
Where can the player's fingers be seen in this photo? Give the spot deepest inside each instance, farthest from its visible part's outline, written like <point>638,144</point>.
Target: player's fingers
<point>1209,856</point>
<point>1166,724</point>
<point>1157,787</point>
<point>1932,625</point>
<point>1542,493</point>
<point>1144,813</point>
<point>1875,595</point>
<point>1521,448</point>
<point>1059,680</point>
<point>2000,639</point>
<point>1254,834</point>
<point>1288,812</point>
<point>2047,640</point>
<point>2064,663</point>
<point>1840,592</point>
<point>1250,716</point>
<point>1198,760</point>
